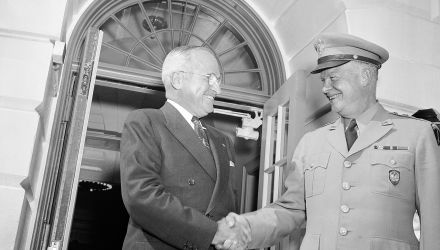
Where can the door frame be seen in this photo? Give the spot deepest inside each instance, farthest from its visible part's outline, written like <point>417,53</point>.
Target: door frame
<point>284,120</point>
<point>54,169</point>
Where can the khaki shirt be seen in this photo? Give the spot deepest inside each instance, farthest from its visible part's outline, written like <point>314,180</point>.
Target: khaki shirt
<point>360,199</point>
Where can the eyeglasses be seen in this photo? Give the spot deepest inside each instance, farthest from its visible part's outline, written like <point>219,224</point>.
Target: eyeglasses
<point>212,78</point>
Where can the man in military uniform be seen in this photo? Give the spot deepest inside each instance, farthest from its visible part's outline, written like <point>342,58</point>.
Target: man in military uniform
<point>360,179</point>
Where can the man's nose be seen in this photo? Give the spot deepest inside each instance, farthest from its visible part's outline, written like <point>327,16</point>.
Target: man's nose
<point>327,85</point>
<point>216,87</point>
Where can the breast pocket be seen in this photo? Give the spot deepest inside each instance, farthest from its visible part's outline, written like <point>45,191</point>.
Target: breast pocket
<point>392,174</point>
<point>315,173</point>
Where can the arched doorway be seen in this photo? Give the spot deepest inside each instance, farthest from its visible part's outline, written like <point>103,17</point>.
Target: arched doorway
<point>137,36</point>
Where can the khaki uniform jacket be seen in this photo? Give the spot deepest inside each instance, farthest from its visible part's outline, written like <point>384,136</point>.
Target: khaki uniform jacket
<point>363,199</point>
<point>173,187</point>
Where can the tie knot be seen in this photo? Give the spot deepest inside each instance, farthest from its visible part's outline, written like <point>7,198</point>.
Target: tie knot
<point>195,119</point>
<point>352,124</point>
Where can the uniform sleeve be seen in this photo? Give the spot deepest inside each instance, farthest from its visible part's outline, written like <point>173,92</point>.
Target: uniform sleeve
<point>147,201</point>
<point>279,219</point>
<point>427,167</point>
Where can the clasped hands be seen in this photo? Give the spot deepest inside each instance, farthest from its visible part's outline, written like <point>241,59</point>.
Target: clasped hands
<point>233,233</point>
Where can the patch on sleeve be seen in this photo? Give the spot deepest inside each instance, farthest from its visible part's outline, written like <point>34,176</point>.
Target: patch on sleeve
<point>436,132</point>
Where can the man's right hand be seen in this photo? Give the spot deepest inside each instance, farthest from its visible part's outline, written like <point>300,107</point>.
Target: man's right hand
<point>233,233</point>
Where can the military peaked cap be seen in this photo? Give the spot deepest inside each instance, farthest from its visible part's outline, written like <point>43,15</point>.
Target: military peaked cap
<point>336,49</point>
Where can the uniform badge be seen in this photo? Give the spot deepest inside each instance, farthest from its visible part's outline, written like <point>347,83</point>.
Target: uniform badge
<point>394,176</point>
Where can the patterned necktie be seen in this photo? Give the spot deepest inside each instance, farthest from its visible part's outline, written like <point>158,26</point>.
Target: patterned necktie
<point>200,131</point>
<point>351,133</point>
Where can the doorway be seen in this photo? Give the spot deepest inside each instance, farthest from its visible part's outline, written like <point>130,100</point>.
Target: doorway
<point>99,217</point>
<point>137,36</point>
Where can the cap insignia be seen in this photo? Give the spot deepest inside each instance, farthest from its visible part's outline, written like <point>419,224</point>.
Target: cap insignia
<point>319,47</point>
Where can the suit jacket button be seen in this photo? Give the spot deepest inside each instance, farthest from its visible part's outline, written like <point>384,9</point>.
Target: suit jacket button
<point>191,181</point>
<point>343,231</point>
<point>345,208</point>
<point>346,185</point>
<point>347,164</point>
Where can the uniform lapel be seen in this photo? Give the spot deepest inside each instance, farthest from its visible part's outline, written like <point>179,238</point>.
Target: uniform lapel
<point>220,153</point>
<point>379,126</point>
<point>336,137</point>
<point>186,135</point>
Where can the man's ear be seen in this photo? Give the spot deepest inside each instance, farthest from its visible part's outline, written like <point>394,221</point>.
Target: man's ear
<point>177,80</point>
<point>366,75</point>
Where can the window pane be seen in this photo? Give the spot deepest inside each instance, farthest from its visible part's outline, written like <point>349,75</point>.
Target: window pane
<point>239,58</point>
<point>249,80</point>
<point>206,24</point>
<point>225,38</point>
<point>139,36</point>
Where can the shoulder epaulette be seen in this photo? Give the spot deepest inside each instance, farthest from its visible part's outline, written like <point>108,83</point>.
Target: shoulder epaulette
<point>401,115</point>
<point>408,116</point>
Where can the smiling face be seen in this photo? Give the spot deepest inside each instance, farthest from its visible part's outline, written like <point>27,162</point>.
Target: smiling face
<point>349,89</point>
<point>197,92</point>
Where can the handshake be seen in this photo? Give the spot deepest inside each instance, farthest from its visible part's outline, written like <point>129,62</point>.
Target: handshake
<point>233,232</point>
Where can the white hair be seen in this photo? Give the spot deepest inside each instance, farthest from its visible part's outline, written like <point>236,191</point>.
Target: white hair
<point>371,67</point>
<point>178,60</point>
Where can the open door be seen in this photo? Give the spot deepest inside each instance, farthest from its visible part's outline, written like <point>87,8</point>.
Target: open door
<point>284,117</point>
<point>73,150</point>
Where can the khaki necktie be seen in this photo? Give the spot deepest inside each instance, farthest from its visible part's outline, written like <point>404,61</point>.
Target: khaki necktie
<point>200,131</point>
<point>351,133</point>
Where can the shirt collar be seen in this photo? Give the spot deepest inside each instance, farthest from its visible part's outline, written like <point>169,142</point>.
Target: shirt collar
<point>363,120</point>
<point>185,113</point>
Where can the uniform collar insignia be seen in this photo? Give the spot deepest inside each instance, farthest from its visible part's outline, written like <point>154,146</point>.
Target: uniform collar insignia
<point>387,122</point>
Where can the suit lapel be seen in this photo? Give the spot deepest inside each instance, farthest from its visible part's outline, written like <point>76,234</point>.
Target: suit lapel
<point>186,135</point>
<point>379,126</point>
<point>336,137</point>
<point>220,154</point>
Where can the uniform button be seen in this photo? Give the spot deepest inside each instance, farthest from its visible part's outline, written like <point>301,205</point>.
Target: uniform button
<point>191,181</point>
<point>393,162</point>
<point>347,164</point>
<point>343,231</point>
<point>345,208</point>
<point>346,185</point>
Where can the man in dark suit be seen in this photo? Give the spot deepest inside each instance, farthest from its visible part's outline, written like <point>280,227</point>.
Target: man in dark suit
<point>175,171</point>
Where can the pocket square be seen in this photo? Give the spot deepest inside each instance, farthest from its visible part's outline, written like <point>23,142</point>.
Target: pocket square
<point>231,164</point>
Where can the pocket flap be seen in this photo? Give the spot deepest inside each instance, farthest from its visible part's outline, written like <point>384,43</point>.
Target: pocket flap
<point>392,159</point>
<point>317,161</point>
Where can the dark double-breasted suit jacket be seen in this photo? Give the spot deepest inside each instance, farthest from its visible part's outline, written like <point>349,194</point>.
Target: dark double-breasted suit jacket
<point>173,187</point>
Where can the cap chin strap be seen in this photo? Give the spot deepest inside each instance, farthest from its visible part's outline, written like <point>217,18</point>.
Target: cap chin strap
<point>348,57</point>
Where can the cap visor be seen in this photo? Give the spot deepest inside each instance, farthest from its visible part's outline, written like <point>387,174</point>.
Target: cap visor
<point>328,65</point>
